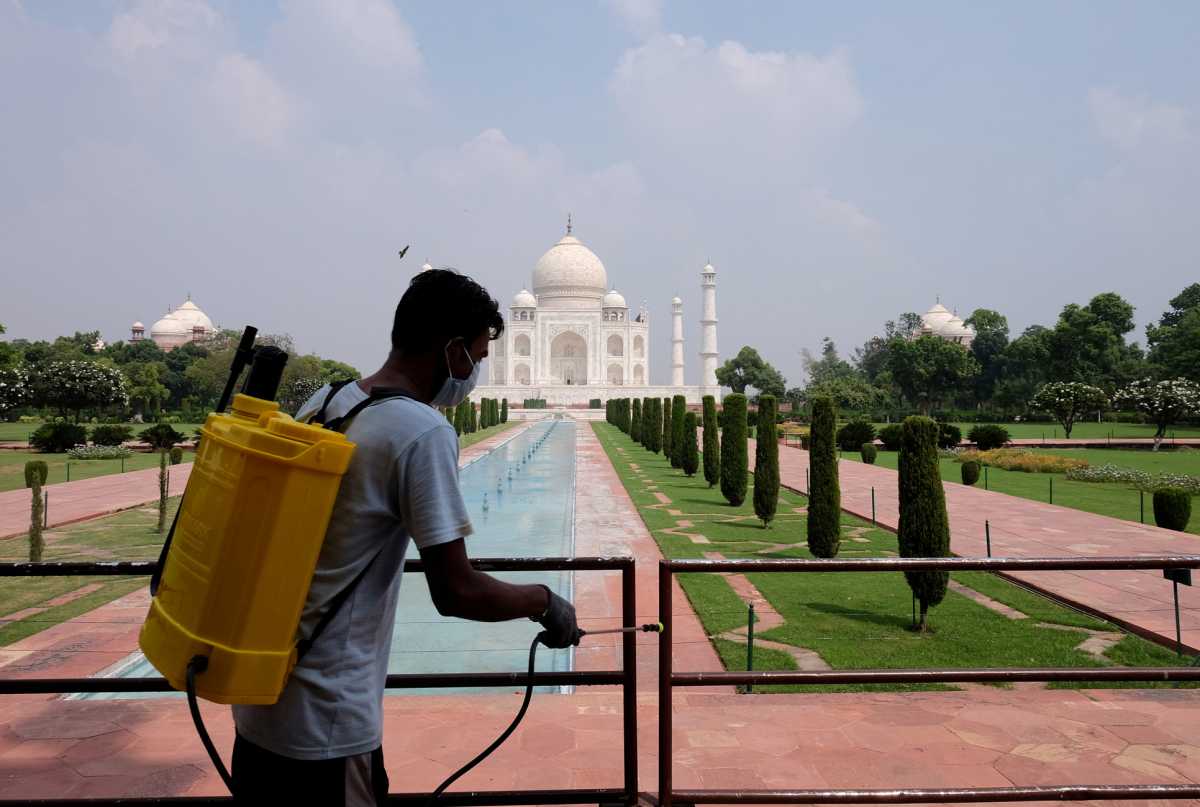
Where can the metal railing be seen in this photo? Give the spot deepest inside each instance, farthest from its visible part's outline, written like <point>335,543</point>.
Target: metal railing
<point>669,679</point>
<point>626,678</point>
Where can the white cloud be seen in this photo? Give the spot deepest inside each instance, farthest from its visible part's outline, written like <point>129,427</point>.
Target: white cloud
<point>715,108</point>
<point>641,17</point>
<point>252,101</point>
<point>1131,122</point>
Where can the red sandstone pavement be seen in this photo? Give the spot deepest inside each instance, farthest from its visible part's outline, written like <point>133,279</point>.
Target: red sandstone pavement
<point>88,498</point>
<point>1141,600</point>
<point>982,737</point>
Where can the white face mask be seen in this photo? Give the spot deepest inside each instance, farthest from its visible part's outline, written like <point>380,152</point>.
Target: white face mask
<point>455,390</point>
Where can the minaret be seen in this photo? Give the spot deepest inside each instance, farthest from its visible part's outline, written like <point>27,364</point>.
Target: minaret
<point>708,331</point>
<point>676,342</point>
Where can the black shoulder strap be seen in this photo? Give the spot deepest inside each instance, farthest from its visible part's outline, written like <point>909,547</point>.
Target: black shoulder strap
<point>334,389</point>
<point>378,395</point>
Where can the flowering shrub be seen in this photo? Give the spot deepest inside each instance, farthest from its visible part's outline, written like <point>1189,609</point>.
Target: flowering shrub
<point>99,453</point>
<point>1015,459</point>
<point>14,388</point>
<point>1068,400</point>
<point>76,385</point>
<point>1164,402</point>
<point>1143,480</point>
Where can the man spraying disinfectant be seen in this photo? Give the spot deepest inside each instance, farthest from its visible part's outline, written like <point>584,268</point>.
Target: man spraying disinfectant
<point>321,742</point>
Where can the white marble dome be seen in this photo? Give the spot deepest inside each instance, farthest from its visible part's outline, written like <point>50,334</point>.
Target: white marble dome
<point>614,299</point>
<point>569,269</point>
<point>170,325</point>
<point>936,318</point>
<point>523,299</point>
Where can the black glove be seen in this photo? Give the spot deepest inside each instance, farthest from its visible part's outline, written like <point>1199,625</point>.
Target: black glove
<point>561,629</point>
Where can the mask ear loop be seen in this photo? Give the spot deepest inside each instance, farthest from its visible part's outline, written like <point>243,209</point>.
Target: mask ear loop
<point>466,352</point>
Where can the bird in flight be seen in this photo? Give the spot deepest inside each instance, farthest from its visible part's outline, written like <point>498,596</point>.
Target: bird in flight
<point>404,251</point>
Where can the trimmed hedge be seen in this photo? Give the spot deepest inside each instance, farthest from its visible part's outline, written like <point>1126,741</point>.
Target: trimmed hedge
<point>54,438</point>
<point>712,442</point>
<point>924,530</point>
<point>890,436</point>
<point>987,436</point>
<point>735,461</point>
<point>766,462</point>
<point>678,412</point>
<point>949,435</point>
<point>111,434</point>
<point>970,472</point>
<point>1172,508</point>
<point>176,455</point>
<point>690,454</point>
<point>824,495</point>
<point>851,436</point>
<point>869,453</point>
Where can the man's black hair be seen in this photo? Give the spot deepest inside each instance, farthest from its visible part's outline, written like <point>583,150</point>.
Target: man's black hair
<point>439,305</point>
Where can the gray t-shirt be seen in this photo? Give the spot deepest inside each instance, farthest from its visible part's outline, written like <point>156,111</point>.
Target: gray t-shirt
<point>402,483</point>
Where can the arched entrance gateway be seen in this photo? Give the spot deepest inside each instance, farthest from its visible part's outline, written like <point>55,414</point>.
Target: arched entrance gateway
<point>568,359</point>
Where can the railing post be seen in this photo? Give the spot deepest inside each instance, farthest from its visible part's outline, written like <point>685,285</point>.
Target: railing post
<point>664,684</point>
<point>987,534</point>
<point>629,667</point>
<point>46,509</point>
<point>750,645</point>
<point>1141,506</point>
<point>1051,490</point>
<point>1178,632</point>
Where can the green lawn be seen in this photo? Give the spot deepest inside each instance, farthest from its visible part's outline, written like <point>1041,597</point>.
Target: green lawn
<point>19,432</point>
<point>12,466</point>
<point>854,621</point>
<point>129,535</point>
<point>1085,430</point>
<point>1106,499</point>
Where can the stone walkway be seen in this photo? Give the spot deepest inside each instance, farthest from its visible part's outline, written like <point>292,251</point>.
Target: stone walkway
<point>1139,600</point>
<point>88,498</point>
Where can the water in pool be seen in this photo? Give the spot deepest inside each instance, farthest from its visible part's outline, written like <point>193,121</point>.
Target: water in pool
<point>521,497</point>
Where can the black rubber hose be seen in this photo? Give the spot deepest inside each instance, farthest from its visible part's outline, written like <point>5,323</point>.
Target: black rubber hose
<point>454,777</point>
<point>200,664</point>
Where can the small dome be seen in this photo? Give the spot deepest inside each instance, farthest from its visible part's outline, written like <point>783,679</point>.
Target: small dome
<point>523,299</point>
<point>169,325</point>
<point>708,269</point>
<point>936,318</point>
<point>569,269</point>
<point>191,316</point>
<point>614,300</point>
<point>676,301</point>
<point>425,267</point>
<point>137,326</point>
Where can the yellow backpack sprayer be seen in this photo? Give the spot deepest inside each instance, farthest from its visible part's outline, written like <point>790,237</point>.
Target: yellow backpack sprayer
<point>238,561</point>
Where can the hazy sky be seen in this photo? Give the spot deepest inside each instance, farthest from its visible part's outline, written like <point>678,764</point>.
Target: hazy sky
<point>838,163</point>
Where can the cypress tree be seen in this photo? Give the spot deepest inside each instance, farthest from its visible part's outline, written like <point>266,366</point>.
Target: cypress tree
<point>667,433</point>
<point>691,451</point>
<point>504,411</point>
<point>36,472</point>
<point>460,418</point>
<point>678,411</point>
<point>608,411</point>
<point>712,442</point>
<point>483,413</point>
<point>924,525</point>
<point>766,462</point>
<point>652,428</point>
<point>824,495</point>
<point>474,415</point>
<point>627,413</point>
<point>734,459</point>
<point>635,430</point>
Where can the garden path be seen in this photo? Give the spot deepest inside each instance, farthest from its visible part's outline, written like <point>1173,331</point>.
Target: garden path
<point>1140,601</point>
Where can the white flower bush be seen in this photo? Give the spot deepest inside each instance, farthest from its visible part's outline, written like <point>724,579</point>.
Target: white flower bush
<point>99,453</point>
<point>1164,402</point>
<point>1142,480</point>
<point>76,385</point>
<point>14,388</point>
<point>1068,400</point>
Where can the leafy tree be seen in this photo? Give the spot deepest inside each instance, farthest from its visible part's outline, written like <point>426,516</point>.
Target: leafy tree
<point>635,430</point>
<point>991,338</point>
<point>14,388</point>
<point>924,530</point>
<point>72,386</point>
<point>748,369</point>
<point>678,410</point>
<point>929,369</point>
<point>1024,368</point>
<point>712,442</point>
<point>852,392</point>
<point>144,385</point>
<point>1068,401</point>
<point>1175,340</point>
<point>161,436</point>
<point>824,494</point>
<point>1165,402</point>
<point>295,393</point>
<point>691,451</point>
<point>1088,343</point>
<point>766,462</point>
<point>829,367</point>
<point>734,457</point>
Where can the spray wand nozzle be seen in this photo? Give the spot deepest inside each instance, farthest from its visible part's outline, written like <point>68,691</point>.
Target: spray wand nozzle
<point>649,627</point>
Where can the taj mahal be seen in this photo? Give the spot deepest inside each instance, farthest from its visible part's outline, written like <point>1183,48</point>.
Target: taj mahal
<point>572,338</point>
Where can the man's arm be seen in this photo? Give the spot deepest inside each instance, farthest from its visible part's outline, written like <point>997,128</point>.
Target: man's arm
<point>461,591</point>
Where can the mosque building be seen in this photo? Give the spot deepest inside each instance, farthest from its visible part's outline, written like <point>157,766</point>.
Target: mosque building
<point>181,325</point>
<point>937,321</point>
<point>571,338</point>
